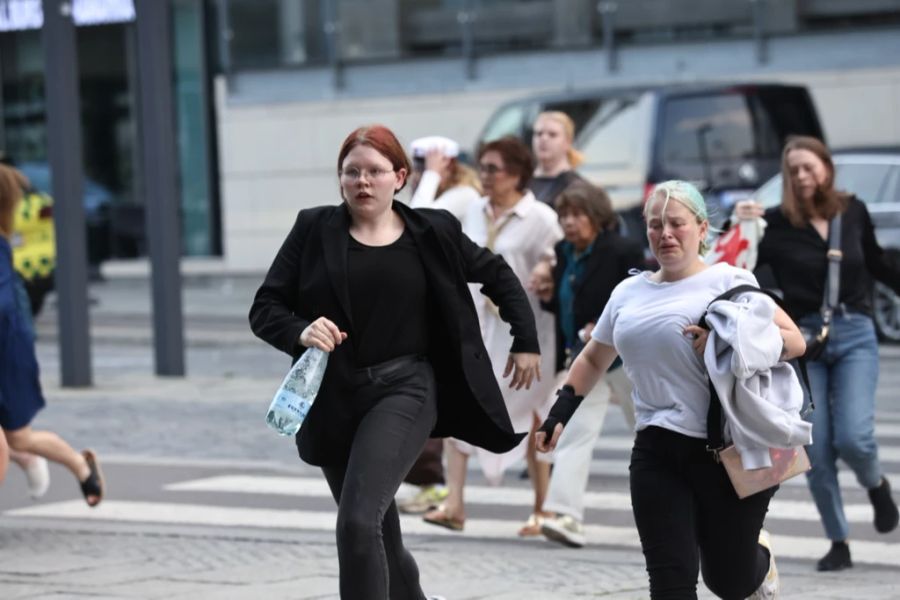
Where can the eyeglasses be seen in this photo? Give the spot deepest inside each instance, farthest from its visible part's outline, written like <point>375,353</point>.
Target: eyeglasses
<point>354,174</point>
<point>489,169</point>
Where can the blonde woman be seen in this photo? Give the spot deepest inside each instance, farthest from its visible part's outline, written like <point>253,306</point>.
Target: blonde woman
<point>687,513</point>
<point>551,143</point>
<point>439,179</point>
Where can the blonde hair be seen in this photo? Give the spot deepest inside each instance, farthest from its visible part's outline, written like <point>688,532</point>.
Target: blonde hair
<point>459,175</point>
<point>574,157</point>
<point>11,184</point>
<point>686,194</point>
<point>827,201</point>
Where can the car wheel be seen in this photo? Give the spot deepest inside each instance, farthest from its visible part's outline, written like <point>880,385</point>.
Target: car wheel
<point>886,313</point>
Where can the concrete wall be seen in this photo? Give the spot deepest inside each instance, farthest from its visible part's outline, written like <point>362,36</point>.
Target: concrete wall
<point>279,135</point>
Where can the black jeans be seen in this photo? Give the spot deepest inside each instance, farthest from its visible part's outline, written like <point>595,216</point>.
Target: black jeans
<point>689,516</point>
<point>397,411</point>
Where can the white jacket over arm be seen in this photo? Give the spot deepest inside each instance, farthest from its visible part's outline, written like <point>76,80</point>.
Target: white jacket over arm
<point>761,396</point>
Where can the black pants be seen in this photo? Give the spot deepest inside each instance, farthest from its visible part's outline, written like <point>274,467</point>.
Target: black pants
<point>398,410</point>
<point>689,516</point>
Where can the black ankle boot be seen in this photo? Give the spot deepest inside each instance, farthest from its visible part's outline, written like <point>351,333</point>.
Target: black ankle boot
<point>838,558</point>
<point>886,514</point>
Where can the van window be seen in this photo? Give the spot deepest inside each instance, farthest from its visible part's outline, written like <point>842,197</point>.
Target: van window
<point>865,180</point>
<point>707,128</point>
<point>610,138</point>
<point>508,121</point>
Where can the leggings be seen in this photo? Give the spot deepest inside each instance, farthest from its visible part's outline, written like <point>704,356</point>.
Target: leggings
<point>374,565</point>
<point>689,518</point>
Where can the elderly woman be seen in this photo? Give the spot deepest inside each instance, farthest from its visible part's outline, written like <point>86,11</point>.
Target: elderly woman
<point>523,231</point>
<point>551,142</point>
<point>590,262</point>
<point>383,288</point>
<point>843,379</point>
<point>686,510</point>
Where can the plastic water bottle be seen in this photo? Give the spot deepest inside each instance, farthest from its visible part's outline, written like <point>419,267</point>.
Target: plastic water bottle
<point>298,390</point>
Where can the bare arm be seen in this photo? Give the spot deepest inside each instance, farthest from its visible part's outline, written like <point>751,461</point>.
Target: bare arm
<point>586,371</point>
<point>794,344</point>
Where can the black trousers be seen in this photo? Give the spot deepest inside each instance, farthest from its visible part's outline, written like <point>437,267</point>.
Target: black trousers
<point>429,467</point>
<point>689,516</point>
<point>397,412</point>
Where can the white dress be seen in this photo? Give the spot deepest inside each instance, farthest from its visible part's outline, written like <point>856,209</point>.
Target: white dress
<point>524,235</point>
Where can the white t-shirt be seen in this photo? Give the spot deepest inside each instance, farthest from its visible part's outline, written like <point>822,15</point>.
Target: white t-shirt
<point>644,321</point>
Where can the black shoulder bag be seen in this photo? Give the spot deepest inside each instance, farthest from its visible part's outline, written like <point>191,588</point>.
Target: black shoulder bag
<point>816,340</point>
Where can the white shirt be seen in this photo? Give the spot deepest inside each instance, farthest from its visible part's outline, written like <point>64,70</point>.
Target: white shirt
<point>644,320</point>
<point>456,199</point>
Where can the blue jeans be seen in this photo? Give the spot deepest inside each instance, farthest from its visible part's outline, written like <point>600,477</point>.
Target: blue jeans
<point>843,383</point>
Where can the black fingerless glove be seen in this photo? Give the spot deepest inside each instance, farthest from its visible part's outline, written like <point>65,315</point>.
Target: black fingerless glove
<point>566,404</point>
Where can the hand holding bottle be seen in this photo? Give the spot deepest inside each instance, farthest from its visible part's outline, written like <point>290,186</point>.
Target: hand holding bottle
<point>322,334</point>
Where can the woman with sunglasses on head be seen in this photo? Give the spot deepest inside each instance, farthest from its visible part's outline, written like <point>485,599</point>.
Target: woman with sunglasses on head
<point>384,289</point>
<point>687,513</point>
<point>512,223</point>
<point>844,377</point>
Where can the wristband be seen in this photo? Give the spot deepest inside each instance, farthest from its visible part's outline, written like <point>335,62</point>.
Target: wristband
<point>567,402</point>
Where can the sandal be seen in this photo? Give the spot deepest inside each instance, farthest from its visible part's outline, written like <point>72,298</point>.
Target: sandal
<point>93,486</point>
<point>439,517</point>
<point>532,526</point>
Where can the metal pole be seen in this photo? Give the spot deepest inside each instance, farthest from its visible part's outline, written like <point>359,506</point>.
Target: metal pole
<point>759,31</point>
<point>607,12</point>
<point>64,149</point>
<point>161,198</point>
<point>466,19</point>
<point>332,27</point>
<point>225,35</point>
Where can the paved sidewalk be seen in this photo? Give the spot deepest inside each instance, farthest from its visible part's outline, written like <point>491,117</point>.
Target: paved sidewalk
<point>215,417</point>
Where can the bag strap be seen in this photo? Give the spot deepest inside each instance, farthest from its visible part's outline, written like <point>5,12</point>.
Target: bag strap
<point>715,441</point>
<point>832,294</point>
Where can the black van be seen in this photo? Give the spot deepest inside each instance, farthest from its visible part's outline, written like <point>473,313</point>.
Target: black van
<point>725,138</point>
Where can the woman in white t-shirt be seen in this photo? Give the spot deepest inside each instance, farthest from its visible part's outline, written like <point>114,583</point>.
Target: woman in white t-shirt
<point>685,508</point>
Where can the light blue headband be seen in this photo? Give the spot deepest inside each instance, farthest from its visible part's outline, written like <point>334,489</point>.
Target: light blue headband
<point>685,193</point>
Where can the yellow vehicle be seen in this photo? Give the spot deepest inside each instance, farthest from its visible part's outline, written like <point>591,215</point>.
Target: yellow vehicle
<point>34,245</point>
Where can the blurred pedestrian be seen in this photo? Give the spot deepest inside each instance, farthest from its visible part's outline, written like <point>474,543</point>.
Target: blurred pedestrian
<point>510,222</point>
<point>551,142</point>
<point>590,262</point>
<point>686,510</point>
<point>383,288</point>
<point>439,179</point>
<point>844,378</point>
<point>20,389</point>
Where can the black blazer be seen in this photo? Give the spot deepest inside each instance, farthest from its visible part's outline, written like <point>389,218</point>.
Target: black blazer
<point>612,257</point>
<point>308,279</point>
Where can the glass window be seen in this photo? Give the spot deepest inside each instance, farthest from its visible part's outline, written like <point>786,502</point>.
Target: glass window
<point>866,181</point>
<point>707,128</point>
<point>610,138</point>
<point>508,121</point>
<point>892,186</point>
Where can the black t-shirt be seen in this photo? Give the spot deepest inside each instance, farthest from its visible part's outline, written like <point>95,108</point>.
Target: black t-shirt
<point>388,300</point>
<point>798,261</point>
<point>547,189</point>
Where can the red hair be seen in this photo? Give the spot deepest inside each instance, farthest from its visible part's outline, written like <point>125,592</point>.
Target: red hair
<point>382,140</point>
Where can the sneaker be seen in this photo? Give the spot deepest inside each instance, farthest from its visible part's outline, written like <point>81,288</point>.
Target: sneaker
<point>886,514</point>
<point>564,529</point>
<point>768,589</point>
<point>837,559</point>
<point>429,497</point>
<point>38,476</point>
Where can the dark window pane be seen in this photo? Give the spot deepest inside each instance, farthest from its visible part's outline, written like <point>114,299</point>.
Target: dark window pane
<point>709,128</point>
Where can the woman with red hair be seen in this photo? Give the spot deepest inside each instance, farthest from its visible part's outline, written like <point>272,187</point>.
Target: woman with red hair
<point>384,289</point>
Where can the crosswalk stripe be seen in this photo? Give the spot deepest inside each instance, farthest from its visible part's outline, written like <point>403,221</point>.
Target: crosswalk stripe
<point>200,514</point>
<point>886,452</point>
<point>795,510</point>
